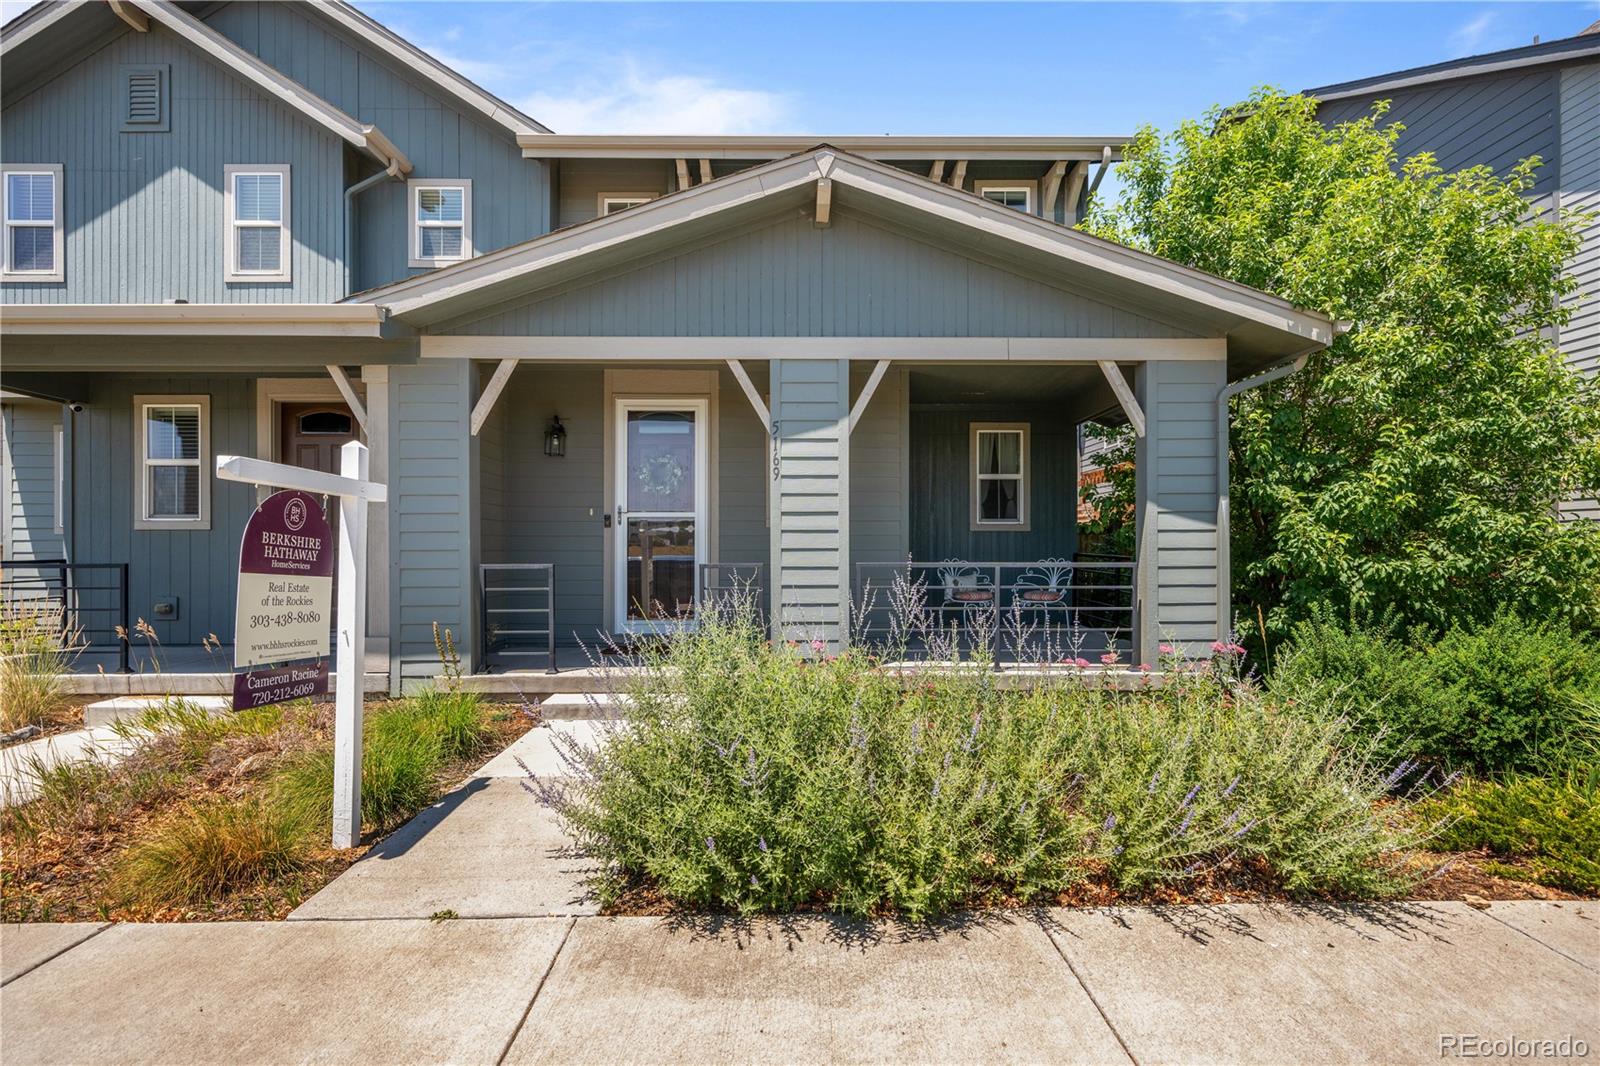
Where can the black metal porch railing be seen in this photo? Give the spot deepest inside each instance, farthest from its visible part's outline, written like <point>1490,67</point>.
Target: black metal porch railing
<point>517,612</point>
<point>91,598</point>
<point>727,585</point>
<point>1078,606</point>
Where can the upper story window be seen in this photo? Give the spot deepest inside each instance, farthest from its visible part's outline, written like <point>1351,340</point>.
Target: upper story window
<point>172,460</point>
<point>32,194</point>
<point>1000,475</point>
<point>1014,194</point>
<point>258,223</point>
<point>612,202</point>
<point>441,221</point>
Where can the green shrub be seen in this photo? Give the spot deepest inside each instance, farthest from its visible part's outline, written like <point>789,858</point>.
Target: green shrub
<point>404,748</point>
<point>37,649</point>
<point>1509,696</point>
<point>749,777</point>
<point>1548,829</point>
<point>211,849</point>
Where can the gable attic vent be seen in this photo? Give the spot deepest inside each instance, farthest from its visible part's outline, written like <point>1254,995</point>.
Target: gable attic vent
<point>144,99</point>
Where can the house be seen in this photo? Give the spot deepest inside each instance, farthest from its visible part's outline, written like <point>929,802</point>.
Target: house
<point>1497,109</point>
<point>603,376</point>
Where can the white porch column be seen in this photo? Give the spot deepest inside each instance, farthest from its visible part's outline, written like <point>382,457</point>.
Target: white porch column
<point>1176,586</point>
<point>810,500</point>
<point>376,379</point>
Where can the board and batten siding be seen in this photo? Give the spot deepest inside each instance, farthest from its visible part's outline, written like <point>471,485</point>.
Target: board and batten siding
<point>1177,501</point>
<point>28,445</point>
<point>1580,194</point>
<point>880,514</point>
<point>143,212</point>
<point>810,508</point>
<point>510,195</point>
<point>791,278</point>
<point>433,526</point>
<point>581,181</point>
<point>1494,119</point>
<point>198,567</point>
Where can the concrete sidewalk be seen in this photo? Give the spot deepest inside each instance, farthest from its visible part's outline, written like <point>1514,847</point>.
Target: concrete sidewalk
<point>1181,985</point>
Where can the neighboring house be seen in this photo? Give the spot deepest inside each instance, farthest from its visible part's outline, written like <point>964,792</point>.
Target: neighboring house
<point>266,229</point>
<point>1498,109</point>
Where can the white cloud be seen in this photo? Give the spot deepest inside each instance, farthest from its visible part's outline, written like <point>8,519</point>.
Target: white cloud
<point>1468,37</point>
<point>630,99</point>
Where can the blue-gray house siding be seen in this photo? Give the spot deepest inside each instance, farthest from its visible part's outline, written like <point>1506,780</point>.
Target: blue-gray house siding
<point>143,212</point>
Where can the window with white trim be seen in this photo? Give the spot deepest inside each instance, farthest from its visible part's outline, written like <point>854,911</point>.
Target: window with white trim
<point>173,456</point>
<point>441,221</point>
<point>1000,475</point>
<point>612,202</point>
<point>1017,195</point>
<point>258,222</point>
<point>32,212</point>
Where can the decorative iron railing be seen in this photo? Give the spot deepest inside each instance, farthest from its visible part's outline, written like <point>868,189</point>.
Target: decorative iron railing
<point>1065,607</point>
<point>90,598</point>
<point>517,613</point>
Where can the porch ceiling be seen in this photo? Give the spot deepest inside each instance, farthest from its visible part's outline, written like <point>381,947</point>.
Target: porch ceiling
<point>985,384</point>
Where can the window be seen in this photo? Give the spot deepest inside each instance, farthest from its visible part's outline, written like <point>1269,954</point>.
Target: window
<point>258,223</point>
<point>1000,475</point>
<point>173,461</point>
<point>32,197</point>
<point>441,222</point>
<point>612,202</point>
<point>1014,194</point>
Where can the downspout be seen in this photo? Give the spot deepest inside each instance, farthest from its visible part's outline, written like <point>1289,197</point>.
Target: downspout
<point>1293,365</point>
<point>350,194</point>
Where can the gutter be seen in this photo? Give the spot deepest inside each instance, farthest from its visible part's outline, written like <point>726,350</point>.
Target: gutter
<point>397,166</point>
<point>1293,365</point>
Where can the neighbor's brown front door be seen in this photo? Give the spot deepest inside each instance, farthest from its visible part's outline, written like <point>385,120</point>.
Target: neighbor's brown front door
<point>310,435</point>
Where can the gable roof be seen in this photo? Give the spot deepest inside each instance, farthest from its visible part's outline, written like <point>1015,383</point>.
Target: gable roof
<point>1585,45</point>
<point>1259,326</point>
<point>32,26</point>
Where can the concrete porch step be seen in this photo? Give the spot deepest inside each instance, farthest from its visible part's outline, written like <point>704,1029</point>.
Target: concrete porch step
<point>104,712</point>
<point>579,706</point>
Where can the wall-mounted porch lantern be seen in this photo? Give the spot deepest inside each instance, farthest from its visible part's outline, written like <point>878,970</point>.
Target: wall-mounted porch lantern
<point>555,438</point>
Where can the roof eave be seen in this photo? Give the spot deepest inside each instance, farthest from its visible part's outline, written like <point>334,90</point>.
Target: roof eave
<point>1565,50</point>
<point>210,320</point>
<point>744,147</point>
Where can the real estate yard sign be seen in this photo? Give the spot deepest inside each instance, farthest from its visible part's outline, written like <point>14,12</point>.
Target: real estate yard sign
<point>285,604</point>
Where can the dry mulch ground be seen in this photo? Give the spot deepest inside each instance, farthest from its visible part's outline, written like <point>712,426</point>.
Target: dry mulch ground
<point>64,719</point>
<point>63,875</point>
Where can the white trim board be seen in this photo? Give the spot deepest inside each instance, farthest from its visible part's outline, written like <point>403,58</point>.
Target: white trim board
<point>910,349</point>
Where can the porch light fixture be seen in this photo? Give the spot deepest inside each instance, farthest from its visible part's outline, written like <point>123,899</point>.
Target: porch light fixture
<point>555,438</point>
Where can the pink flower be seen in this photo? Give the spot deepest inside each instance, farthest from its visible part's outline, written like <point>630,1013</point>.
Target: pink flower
<point>1144,667</point>
<point>1082,664</point>
<point>1165,649</point>
<point>817,646</point>
<point>1109,657</point>
<point>1217,647</point>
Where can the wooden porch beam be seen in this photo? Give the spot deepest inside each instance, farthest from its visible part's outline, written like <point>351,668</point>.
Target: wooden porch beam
<point>491,393</point>
<point>705,171</point>
<point>958,176</point>
<point>749,387</point>
<point>683,173</point>
<point>824,200</point>
<point>1052,185</point>
<point>348,391</point>
<point>1080,171</point>
<point>129,14</point>
<point>1125,397</point>
<point>936,172</point>
<point>860,406</point>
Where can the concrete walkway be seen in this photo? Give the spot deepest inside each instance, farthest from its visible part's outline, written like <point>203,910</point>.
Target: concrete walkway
<point>528,973</point>
<point>20,764</point>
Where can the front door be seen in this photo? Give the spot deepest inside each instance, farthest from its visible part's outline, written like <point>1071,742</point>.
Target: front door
<point>310,435</point>
<point>660,526</point>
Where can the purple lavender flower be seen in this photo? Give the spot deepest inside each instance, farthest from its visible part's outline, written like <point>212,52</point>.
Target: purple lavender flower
<point>1183,826</point>
<point>937,783</point>
<point>1155,779</point>
<point>1189,798</point>
<point>1231,786</point>
<point>762,844</point>
<point>1116,851</point>
<point>1111,823</point>
<point>1243,829</point>
<point>711,845</point>
<point>753,882</point>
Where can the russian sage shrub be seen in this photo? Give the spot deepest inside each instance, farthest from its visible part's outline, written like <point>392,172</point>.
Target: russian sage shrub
<point>759,777</point>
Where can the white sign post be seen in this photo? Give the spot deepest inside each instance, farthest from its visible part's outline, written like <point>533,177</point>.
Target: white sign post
<point>354,492</point>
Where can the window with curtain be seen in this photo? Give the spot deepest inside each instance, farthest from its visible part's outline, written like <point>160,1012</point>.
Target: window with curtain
<point>32,197</point>
<point>441,213</point>
<point>258,223</point>
<point>173,452</point>
<point>999,475</point>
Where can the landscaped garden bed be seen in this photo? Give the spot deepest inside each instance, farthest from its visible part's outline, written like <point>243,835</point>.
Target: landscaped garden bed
<point>218,817</point>
<point>758,778</point>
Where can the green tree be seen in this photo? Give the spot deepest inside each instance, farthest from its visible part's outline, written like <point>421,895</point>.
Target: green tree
<point>1417,463</point>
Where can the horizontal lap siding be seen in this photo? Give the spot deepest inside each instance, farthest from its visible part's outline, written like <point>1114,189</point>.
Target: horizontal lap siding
<point>1580,193</point>
<point>1179,522</point>
<point>143,212</point>
<point>811,514</point>
<point>432,484</point>
<point>510,194</point>
<point>791,278</point>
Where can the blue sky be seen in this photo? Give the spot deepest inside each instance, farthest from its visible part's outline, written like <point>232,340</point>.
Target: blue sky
<point>905,68</point>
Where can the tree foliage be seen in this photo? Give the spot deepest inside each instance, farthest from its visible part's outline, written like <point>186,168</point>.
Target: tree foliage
<point>1417,463</point>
